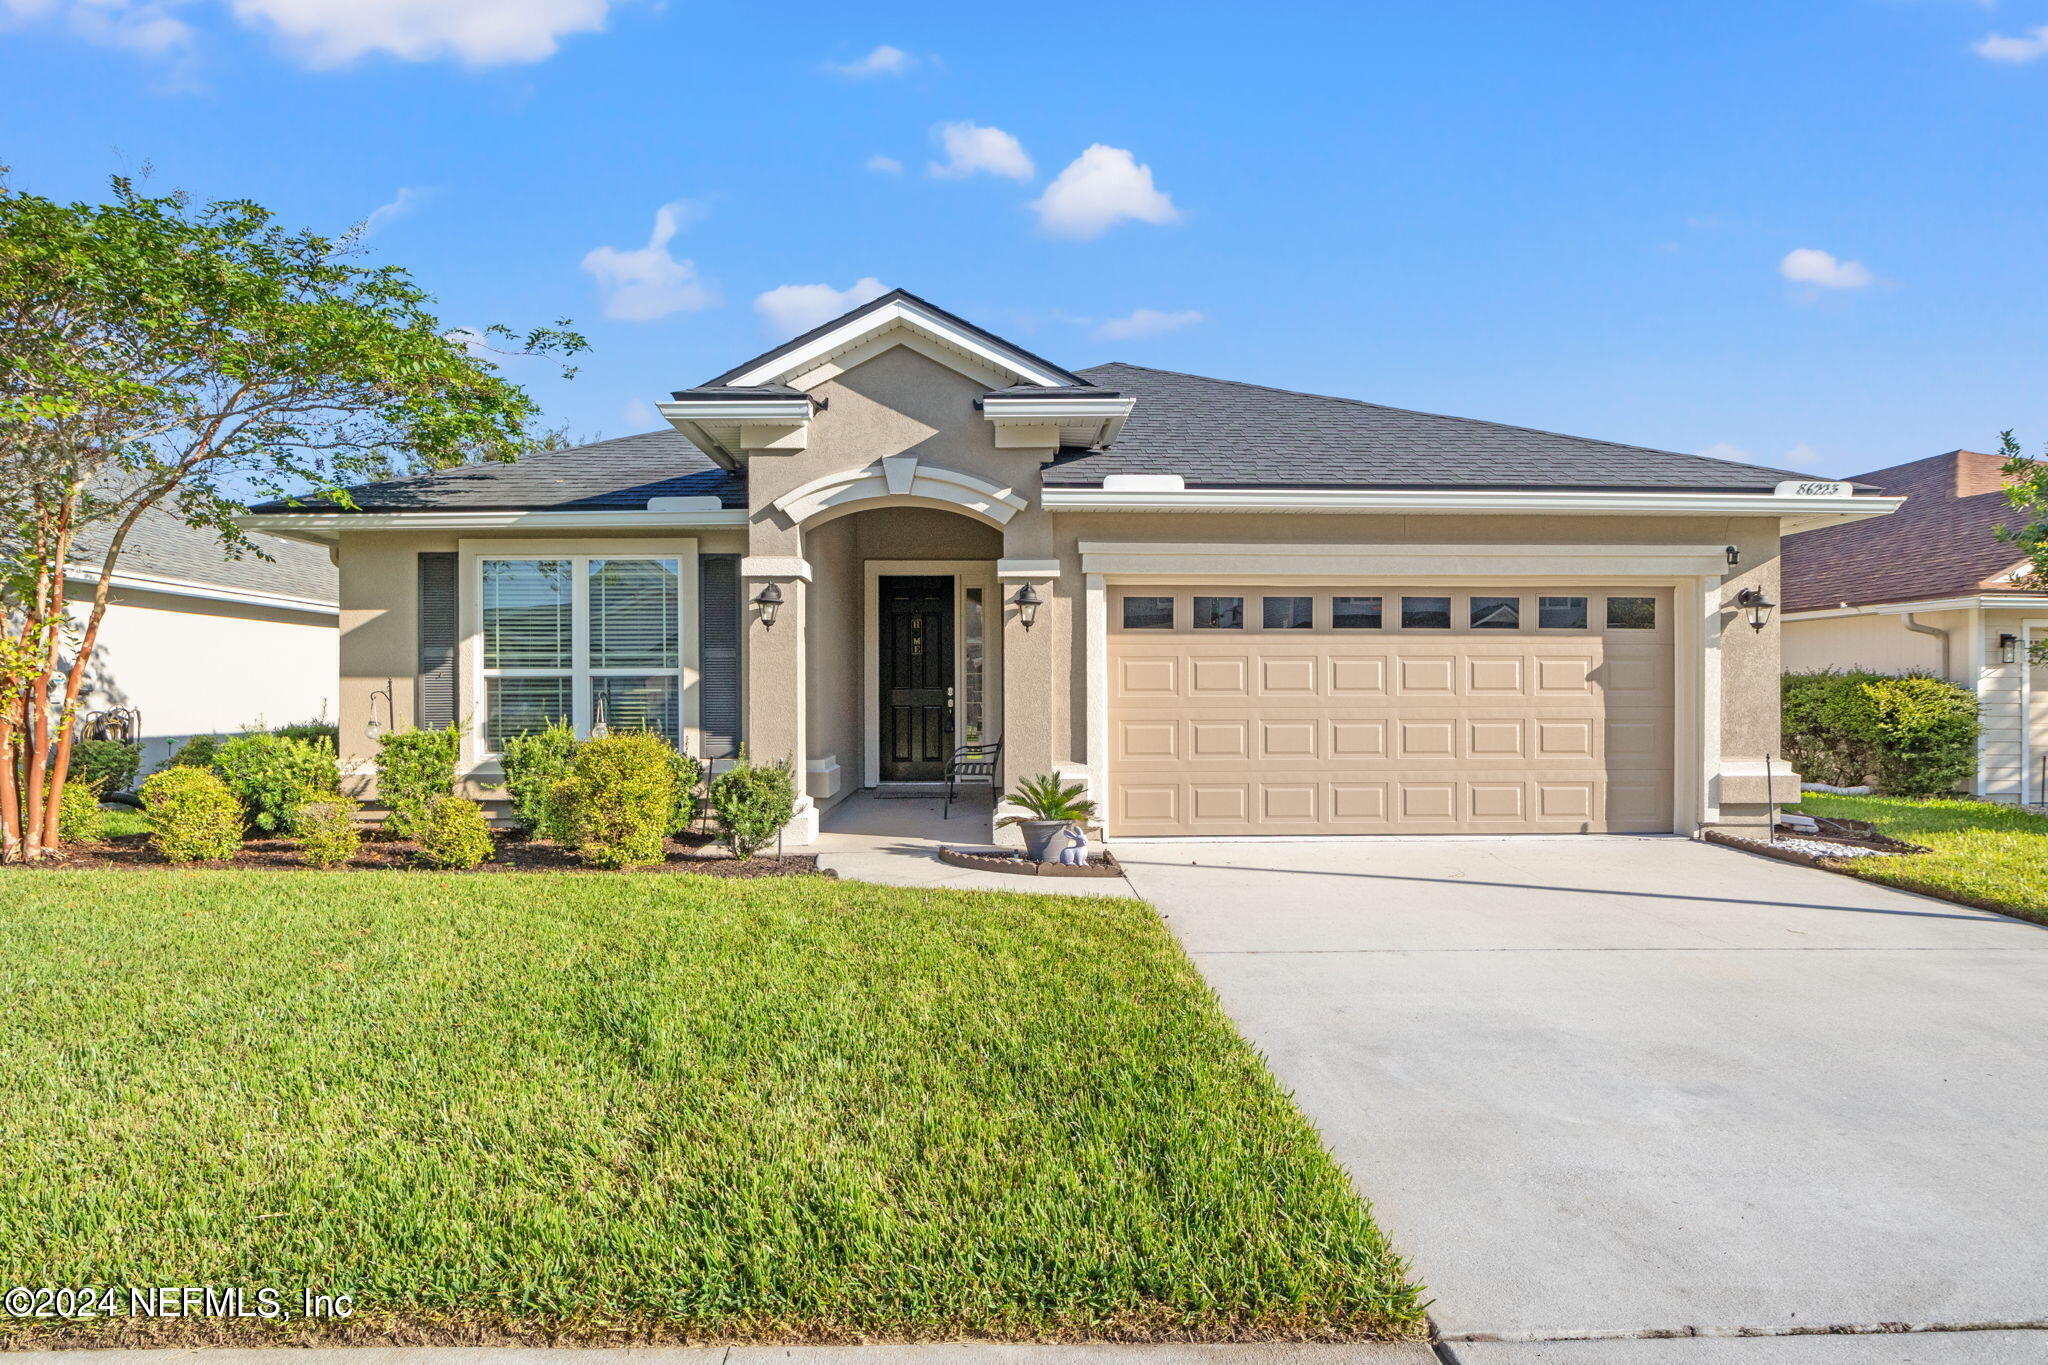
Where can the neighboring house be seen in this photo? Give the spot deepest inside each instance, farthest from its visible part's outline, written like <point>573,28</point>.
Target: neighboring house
<point>1930,590</point>
<point>1260,612</point>
<point>198,643</point>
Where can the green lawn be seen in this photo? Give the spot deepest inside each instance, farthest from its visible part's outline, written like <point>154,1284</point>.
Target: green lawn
<point>1981,853</point>
<point>661,1107</point>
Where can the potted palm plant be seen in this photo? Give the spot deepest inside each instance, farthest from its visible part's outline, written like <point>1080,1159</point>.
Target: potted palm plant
<point>1053,809</point>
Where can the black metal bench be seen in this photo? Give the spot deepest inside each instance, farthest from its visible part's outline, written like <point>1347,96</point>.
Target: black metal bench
<point>972,763</point>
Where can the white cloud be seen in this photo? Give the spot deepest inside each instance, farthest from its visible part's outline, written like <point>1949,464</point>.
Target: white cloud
<point>883,61</point>
<point>401,204</point>
<point>639,413</point>
<point>145,26</point>
<point>471,340</point>
<point>1809,266</point>
<point>789,309</point>
<point>972,149</point>
<point>1146,322</point>
<point>646,283</point>
<point>1099,189</point>
<point>475,32</point>
<point>2029,47</point>
<point>884,165</point>
<point>1802,456</point>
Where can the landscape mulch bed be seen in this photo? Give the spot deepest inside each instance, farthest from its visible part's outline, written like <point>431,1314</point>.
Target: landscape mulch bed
<point>379,852</point>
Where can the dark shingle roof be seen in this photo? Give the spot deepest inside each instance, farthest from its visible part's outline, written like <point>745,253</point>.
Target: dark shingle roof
<point>875,305</point>
<point>619,474</point>
<point>1219,433</point>
<point>1940,544</point>
<point>162,546</point>
<point>739,391</point>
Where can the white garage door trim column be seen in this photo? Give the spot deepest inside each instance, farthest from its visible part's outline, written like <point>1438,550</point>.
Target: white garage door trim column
<point>1693,573</point>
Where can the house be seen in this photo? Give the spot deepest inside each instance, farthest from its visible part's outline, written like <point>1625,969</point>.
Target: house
<point>197,643</point>
<point>1931,590</point>
<point>1230,610</point>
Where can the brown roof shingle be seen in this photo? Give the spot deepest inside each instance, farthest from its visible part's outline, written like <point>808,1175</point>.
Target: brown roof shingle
<point>1940,544</point>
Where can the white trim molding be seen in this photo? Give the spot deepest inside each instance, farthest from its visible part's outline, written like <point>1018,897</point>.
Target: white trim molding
<point>900,477</point>
<point>727,428</point>
<point>1081,422</point>
<point>1800,513</point>
<point>210,592</point>
<point>775,566</point>
<point>325,528</point>
<point>1991,601</point>
<point>1183,560</point>
<point>782,367</point>
<point>1011,569</point>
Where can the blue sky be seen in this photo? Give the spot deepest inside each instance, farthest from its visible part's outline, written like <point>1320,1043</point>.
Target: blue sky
<point>1809,234</point>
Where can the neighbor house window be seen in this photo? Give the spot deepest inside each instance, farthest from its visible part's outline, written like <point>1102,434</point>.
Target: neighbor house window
<point>1631,613</point>
<point>1425,613</point>
<point>1561,613</point>
<point>1219,613</point>
<point>581,638</point>
<point>1496,613</point>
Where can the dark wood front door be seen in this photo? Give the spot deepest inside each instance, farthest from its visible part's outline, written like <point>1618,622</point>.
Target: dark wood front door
<point>917,677</point>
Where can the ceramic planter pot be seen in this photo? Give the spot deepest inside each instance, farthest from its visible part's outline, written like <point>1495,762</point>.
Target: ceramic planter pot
<point>1042,839</point>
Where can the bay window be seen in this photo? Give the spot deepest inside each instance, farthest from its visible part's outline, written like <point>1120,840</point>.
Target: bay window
<point>587,638</point>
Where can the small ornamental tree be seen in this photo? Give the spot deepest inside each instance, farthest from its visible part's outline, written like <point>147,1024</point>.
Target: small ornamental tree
<point>157,353</point>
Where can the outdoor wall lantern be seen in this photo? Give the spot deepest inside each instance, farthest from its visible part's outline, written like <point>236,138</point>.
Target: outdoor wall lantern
<point>2008,649</point>
<point>769,600</point>
<point>1759,607</point>
<point>1028,600</point>
<point>1734,556</point>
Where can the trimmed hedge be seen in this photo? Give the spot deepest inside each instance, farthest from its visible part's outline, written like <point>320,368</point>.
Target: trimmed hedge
<point>1907,735</point>
<point>415,768</point>
<point>453,833</point>
<point>274,775</point>
<point>751,803</point>
<point>534,762</point>
<point>107,763</point>
<point>192,815</point>
<point>619,800</point>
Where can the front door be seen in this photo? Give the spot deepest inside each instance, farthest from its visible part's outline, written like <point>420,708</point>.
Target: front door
<point>917,677</point>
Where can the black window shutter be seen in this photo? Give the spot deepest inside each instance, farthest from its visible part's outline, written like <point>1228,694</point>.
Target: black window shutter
<point>435,707</point>
<point>718,654</point>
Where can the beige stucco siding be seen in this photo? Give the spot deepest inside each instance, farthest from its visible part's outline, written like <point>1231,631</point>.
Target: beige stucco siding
<point>1881,644</point>
<point>196,666</point>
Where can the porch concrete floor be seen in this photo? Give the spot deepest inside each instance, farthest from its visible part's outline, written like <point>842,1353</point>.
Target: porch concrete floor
<point>895,840</point>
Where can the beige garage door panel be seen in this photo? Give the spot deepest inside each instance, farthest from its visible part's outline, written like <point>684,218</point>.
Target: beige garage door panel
<point>1249,730</point>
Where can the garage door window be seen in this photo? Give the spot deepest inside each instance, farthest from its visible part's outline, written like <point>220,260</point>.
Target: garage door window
<point>1425,613</point>
<point>1631,613</point>
<point>1148,613</point>
<point>1290,613</point>
<point>1561,613</point>
<point>1496,613</point>
<point>1219,613</point>
<point>1355,613</point>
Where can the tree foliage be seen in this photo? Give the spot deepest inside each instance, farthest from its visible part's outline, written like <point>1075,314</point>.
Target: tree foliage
<point>157,353</point>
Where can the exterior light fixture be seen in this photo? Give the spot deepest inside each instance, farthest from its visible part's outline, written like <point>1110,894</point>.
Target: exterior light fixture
<point>2008,649</point>
<point>1734,556</point>
<point>1759,607</point>
<point>1028,600</point>
<point>769,600</point>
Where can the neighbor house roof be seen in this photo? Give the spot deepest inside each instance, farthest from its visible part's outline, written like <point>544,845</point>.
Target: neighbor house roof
<point>616,475</point>
<point>1940,544</point>
<point>1220,433</point>
<point>161,546</point>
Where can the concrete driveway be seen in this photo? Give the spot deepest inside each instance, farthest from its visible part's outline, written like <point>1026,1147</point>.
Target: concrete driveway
<point>1602,1087</point>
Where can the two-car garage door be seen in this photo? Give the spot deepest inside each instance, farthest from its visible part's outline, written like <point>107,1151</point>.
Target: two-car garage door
<point>1248,710</point>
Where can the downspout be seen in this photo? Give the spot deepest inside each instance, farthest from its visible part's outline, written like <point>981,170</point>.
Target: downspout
<point>1938,633</point>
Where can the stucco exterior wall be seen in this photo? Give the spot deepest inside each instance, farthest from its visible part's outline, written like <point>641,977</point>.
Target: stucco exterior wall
<point>1881,644</point>
<point>194,666</point>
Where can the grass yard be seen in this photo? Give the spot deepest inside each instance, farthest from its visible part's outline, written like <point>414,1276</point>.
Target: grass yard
<point>1981,853</point>
<point>617,1108</point>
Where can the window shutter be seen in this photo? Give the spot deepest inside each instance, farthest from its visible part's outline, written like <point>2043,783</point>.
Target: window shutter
<point>718,654</point>
<point>435,700</point>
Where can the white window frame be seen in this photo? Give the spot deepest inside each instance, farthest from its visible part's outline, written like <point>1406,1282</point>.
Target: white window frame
<point>580,553</point>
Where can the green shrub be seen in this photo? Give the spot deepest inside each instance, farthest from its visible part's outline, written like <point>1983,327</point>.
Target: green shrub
<point>192,815</point>
<point>1910,735</point>
<point>310,730</point>
<point>453,833</point>
<point>196,752</point>
<point>534,763</point>
<point>413,768</point>
<point>619,800</point>
<point>326,827</point>
<point>750,804</point>
<point>273,776</point>
<point>79,817</point>
<point>107,763</point>
<point>688,773</point>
